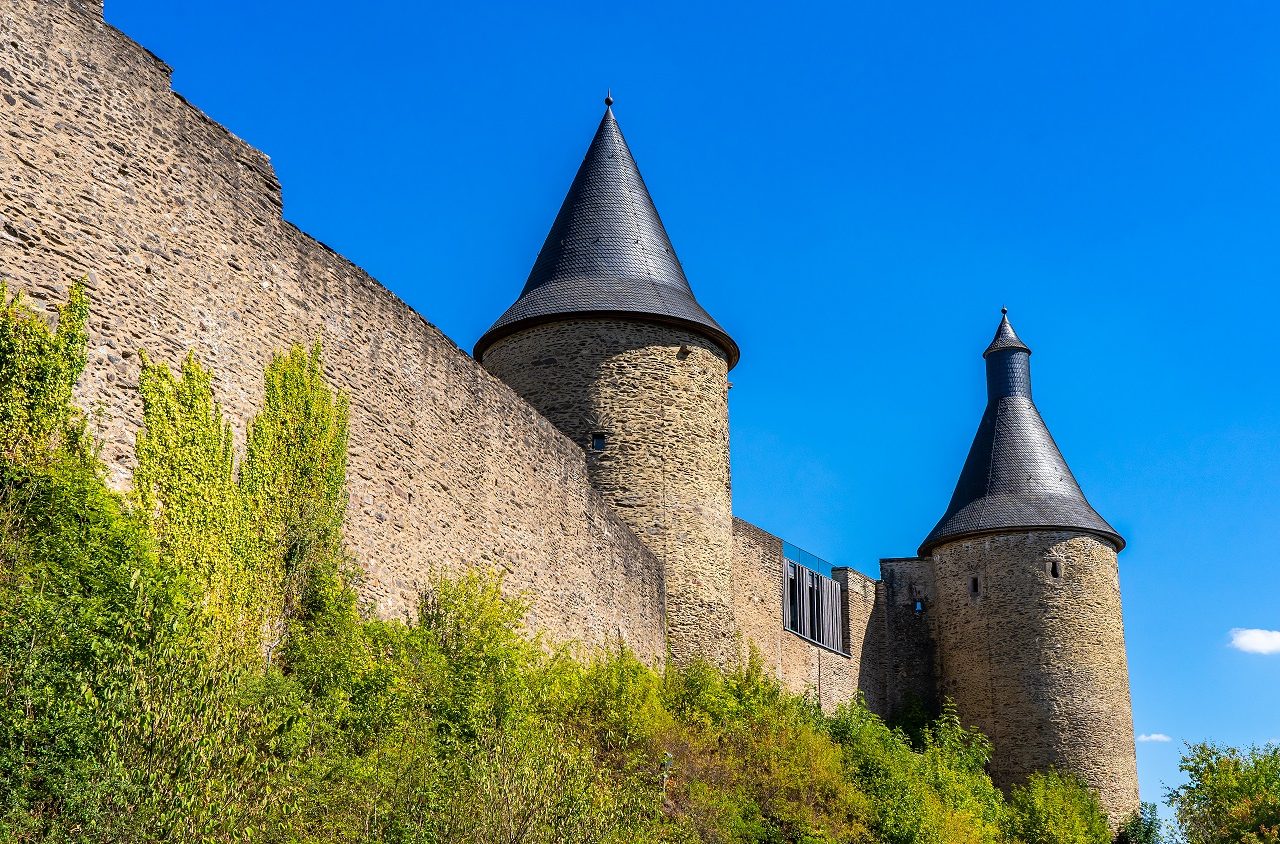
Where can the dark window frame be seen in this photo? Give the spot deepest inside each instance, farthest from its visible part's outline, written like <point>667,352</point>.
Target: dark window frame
<point>813,607</point>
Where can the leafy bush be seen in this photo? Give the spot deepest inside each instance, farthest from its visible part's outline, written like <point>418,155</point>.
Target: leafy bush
<point>38,370</point>
<point>189,662</point>
<point>939,793</point>
<point>1056,808</point>
<point>1142,827</point>
<point>1231,797</point>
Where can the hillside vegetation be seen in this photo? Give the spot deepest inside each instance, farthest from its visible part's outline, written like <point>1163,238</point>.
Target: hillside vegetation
<point>189,662</point>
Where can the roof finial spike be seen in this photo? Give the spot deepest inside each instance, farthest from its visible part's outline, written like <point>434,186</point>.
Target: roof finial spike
<point>608,97</point>
<point>1004,312</point>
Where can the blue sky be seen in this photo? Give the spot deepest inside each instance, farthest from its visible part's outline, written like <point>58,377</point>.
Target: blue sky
<point>855,190</point>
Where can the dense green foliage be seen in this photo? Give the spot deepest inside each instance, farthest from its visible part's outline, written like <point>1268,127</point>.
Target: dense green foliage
<point>1231,796</point>
<point>38,370</point>
<point>1143,827</point>
<point>1051,807</point>
<point>189,662</point>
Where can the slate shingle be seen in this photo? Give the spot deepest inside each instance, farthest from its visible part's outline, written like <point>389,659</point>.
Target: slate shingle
<point>608,254</point>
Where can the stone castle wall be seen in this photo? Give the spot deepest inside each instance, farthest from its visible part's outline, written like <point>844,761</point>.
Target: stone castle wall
<point>1034,656</point>
<point>104,170</point>
<point>658,395</point>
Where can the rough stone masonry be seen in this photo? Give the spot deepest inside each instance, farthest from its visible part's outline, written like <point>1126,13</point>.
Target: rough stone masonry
<point>109,174</point>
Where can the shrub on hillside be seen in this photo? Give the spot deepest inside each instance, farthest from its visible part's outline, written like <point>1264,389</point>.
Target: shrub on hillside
<point>189,662</point>
<point>1142,827</point>
<point>1056,808</point>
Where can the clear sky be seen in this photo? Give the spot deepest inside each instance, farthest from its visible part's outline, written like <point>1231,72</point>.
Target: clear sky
<point>855,190</point>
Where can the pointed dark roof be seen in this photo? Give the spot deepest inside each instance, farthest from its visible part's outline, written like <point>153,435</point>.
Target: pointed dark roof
<point>1006,337</point>
<point>1014,477</point>
<point>608,254</point>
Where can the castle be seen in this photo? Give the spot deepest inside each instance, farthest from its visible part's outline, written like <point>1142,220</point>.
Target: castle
<point>583,450</point>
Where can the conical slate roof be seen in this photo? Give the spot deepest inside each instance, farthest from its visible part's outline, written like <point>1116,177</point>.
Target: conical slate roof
<point>608,254</point>
<point>1006,337</point>
<point>1014,477</point>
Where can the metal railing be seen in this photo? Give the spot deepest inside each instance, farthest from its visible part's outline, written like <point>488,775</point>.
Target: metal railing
<point>810,561</point>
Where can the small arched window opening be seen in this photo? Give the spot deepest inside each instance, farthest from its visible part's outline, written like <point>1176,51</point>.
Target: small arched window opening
<point>975,588</point>
<point>597,441</point>
<point>919,608</point>
<point>1055,569</point>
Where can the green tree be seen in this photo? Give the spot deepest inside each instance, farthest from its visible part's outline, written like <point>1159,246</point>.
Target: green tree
<point>1142,827</point>
<point>1232,796</point>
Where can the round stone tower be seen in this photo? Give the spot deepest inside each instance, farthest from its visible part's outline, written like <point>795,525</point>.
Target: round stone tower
<point>608,342</point>
<point>1027,616</point>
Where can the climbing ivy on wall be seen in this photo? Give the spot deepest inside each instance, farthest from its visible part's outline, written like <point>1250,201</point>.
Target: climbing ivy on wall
<point>40,370</point>
<point>257,542</point>
<point>185,489</point>
<point>294,478</point>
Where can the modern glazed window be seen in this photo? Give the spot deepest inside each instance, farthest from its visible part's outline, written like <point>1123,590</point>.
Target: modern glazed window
<point>813,606</point>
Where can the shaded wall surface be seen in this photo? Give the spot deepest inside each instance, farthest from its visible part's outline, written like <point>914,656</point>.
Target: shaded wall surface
<point>106,172</point>
<point>906,610</point>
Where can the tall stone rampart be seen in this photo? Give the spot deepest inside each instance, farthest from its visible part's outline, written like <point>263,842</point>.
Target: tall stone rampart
<point>106,172</point>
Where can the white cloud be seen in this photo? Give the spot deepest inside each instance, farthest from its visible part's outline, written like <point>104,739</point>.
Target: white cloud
<point>1154,737</point>
<point>1255,641</point>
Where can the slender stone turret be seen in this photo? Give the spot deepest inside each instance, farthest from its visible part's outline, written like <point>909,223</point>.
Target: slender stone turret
<point>1027,619</point>
<point>608,342</point>
<point>1015,476</point>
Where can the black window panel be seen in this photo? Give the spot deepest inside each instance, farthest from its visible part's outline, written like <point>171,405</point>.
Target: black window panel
<point>813,606</point>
